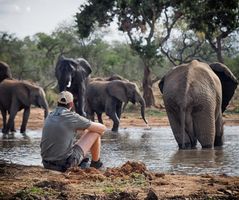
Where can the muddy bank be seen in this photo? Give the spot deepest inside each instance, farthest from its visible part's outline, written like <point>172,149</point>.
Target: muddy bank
<point>130,181</point>
<point>131,119</point>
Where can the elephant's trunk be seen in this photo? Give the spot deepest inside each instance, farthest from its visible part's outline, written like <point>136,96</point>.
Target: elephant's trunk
<point>45,113</point>
<point>42,103</point>
<point>142,103</point>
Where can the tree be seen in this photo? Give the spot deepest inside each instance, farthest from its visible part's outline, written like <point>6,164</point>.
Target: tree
<point>186,45</point>
<point>139,19</point>
<point>216,19</point>
<point>11,52</point>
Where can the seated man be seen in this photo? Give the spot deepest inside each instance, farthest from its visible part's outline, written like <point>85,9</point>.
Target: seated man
<point>59,150</point>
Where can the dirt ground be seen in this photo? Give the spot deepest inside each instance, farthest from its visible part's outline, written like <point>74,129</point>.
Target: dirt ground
<point>127,119</point>
<point>129,181</point>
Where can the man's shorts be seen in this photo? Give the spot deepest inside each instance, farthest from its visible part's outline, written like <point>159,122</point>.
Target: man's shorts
<point>62,165</point>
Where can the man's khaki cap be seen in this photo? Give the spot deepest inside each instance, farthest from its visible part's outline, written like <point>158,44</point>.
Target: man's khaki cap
<point>65,97</point>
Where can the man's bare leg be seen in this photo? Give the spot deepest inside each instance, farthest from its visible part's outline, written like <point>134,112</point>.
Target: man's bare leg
<point>88,141</point>
<point>95,150</point>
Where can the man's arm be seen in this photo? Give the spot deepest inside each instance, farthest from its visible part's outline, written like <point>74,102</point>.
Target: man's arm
<point>96,127</point>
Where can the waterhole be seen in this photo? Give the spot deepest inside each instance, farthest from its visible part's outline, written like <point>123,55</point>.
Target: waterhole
<point>156,147</point>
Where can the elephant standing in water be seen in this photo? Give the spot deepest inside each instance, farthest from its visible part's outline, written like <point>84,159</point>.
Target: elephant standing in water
<point>107,96</point>
<point>5,71</point>
<point>17,95</point>
<point>195,96</point>
<point>72,75</point>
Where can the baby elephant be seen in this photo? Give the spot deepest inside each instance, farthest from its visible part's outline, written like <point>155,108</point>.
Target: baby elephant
<point>16,95</point>
<point>108,96</point>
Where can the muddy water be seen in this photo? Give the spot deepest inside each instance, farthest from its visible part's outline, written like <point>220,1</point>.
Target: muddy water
<point>156,148</point>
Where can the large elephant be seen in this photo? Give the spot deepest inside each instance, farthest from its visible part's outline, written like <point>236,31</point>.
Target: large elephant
<point>108,96</point>
<point>16,95</point>
<point>5,71</point>
<point>195,96</point>
<point>72,75</point>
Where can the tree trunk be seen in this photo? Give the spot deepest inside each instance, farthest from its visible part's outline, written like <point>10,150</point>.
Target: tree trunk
<point>147,87</point>
<point>219,51</point>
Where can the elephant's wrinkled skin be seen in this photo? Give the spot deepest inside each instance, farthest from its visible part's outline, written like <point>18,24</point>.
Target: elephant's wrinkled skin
<point>108,96</point>
<point>72,75</point>
<point>195,96</point>
<point>17,95</point>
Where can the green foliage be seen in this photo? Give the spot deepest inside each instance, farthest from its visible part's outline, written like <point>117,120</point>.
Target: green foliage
<point>95,10</point>
<point>12,51</point>
<point>145,22</point>
<point>51,97</point>
<point>137,18</point>
<point>212,18</point>
<point>233,64</point>
<point>217,20</point>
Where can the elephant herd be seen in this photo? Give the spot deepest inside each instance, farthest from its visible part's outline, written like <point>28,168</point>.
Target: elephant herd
<point>96,95</point>
<point>195,96</point>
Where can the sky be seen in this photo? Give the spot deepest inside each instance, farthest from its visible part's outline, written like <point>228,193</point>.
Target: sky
<point>27,17</point>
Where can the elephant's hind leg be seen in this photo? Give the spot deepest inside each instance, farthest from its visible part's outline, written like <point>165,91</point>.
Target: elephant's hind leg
<point>219,131</point>
<point>111,112</point>
<point>115,119</point>
<point>12,115</point>
<point>12,129</point>
<point>26,114</point>
<point>90,115</point>
<point>4,119</point>
<point>174,120</point>
<point>204,127</point>
<point>99,117</point>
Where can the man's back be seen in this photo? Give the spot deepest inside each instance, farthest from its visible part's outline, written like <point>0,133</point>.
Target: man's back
<point>58,133</point>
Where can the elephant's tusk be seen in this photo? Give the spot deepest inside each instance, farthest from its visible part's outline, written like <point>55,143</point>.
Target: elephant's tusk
<point>69,84</point>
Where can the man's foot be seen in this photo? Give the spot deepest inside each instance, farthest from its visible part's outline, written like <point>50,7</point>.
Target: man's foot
<point>84,163</point>
<point>96,164</point>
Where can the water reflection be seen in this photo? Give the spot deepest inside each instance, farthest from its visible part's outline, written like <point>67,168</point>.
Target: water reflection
<point>156,148</point>
<point>21,150</point>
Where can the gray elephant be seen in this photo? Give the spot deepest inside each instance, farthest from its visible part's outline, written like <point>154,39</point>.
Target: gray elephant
<point>5,71</point>
<point>108,96</point>
<point>72,75</point>
<point>16,95</point>
<point>195,96</point>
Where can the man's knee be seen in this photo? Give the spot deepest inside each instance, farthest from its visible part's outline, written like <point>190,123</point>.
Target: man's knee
<point>98,133</point>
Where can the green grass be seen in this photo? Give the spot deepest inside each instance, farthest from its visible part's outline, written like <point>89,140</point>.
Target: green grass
<point>155,112</point>
<point>34,192</point>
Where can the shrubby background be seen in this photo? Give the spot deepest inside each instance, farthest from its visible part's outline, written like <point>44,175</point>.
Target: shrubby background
<point>159,37</point>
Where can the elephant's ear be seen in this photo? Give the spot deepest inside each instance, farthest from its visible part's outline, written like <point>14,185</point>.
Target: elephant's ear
<point>161,83</point>
<point>85,65</point>
<point>228,81</point>
<point>118,90</point>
